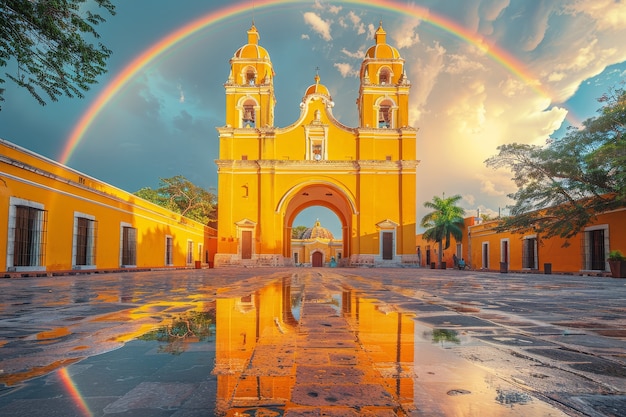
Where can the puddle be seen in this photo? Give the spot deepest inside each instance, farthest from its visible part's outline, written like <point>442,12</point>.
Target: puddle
<point>290,347</point>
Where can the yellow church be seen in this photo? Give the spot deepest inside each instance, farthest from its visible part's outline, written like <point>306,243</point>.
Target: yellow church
<point>267,175</point>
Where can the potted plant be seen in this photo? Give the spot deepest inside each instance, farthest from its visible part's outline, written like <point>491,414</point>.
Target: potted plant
<point>617,262</point>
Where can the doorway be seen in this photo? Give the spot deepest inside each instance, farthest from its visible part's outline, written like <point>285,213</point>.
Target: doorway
<point>317,259</point>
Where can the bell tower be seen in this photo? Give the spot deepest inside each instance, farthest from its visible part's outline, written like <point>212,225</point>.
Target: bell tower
<point>384,93</point>
<point>250,96</point>
<point>267,175</point>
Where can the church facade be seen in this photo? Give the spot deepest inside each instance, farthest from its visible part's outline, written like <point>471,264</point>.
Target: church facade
<point>267,174</point>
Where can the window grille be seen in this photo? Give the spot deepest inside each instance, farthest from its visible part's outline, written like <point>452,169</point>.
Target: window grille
<point>129,245</point>
<point>29,236</point>
<point>85,238</point>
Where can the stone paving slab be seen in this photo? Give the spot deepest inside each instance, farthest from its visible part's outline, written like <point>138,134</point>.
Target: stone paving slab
<point>322,361</point>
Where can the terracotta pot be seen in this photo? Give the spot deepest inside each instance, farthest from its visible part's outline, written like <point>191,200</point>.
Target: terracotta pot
<point>618,269</point>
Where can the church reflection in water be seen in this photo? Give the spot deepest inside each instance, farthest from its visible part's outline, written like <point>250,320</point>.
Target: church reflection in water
<point>271,340</point>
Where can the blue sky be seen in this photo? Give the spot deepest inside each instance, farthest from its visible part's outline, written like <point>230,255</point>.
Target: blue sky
<point>463,103</point>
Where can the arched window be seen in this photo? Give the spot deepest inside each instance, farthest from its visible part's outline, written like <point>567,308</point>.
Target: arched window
<point>384,77</point>
<point>248,119</point>
<point>250,76</point>
<point>385,115</point>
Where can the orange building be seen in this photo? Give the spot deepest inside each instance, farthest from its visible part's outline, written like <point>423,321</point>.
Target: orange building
<point>57,219</point>
<point>485,249</point>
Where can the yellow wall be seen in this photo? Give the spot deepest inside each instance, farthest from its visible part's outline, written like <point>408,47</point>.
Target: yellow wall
<point>267,174</point>
<point>61,192</point>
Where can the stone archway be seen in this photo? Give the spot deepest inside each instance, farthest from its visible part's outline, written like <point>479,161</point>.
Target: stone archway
<point>318,194</point>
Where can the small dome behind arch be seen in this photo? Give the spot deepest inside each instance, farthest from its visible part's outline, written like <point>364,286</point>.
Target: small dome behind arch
<point>317,232</point>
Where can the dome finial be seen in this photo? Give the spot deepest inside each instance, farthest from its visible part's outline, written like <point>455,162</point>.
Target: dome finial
<point>317,75</point>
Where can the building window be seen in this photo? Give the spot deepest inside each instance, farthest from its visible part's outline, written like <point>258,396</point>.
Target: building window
<point>595,249</point>
<point>248,119</point>
<point>384,116</point>
<point>529,252</point>
<point>485,255</point>
<point>169,250</point>
<point>504,251</point>
<point>295,258</point>
<point>128,246</point>
<point>84,246</point>
<point>250,77</point>
<point>189,252</point>
<point>384,76</point>
<point>27,235</point>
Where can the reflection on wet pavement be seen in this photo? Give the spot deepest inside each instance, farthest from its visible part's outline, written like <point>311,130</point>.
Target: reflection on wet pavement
<point>299,344</point>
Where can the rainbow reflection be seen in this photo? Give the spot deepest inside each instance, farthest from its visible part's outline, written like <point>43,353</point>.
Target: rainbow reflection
<point>72,390</point>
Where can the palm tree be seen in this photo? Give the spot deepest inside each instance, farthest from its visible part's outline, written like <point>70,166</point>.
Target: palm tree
<point>444,221</point>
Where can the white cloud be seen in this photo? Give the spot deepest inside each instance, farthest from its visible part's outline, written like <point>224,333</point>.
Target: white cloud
<point>318,25</point>
<point>469,199</point>
<point>371,31</point>
<point>335,9</point>
<point>346,70</point>
<point>462,64</point>
<point>607,14</point>
<point>360,54</point>
<point>181,96</point>
<point>405,35</point>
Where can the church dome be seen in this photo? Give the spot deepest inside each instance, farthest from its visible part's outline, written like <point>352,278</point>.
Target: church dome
<point>382,50</point>
<point>317,88</point>
<point>252,50</point>
<point>317,232</point>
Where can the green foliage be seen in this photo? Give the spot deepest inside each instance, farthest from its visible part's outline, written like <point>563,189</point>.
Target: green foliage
<point>445,335</point>
<point>563,185</point>
<point>616,255</point>
<point>195,325</point>
<point>444,222</point>
<point>181,196</point>
<point>296,232</point>
<point>49,41</point>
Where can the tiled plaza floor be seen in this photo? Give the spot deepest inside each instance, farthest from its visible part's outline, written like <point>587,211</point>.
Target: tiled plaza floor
<point>312,342</point>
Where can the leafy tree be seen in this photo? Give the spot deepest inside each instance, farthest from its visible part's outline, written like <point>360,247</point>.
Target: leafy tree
<point>50,43</point>
<point>566,183</point>
<point>296,232</point>
<point>179,195</point>
<point>444,221</point>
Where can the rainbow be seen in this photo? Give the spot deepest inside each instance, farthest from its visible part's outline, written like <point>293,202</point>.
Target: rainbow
<point>510,63</point>
<point>72,390</point>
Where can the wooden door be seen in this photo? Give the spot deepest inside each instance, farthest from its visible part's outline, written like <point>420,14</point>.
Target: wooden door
<point>317,259</point>
<point>387,245</point>
<point>246,244</point>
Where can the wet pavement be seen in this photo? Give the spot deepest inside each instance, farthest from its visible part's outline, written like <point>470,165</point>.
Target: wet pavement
<point>312,342</point>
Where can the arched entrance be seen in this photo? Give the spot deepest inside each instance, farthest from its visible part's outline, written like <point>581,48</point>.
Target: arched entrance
<point>323,194</point>
<point>317,259</point>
